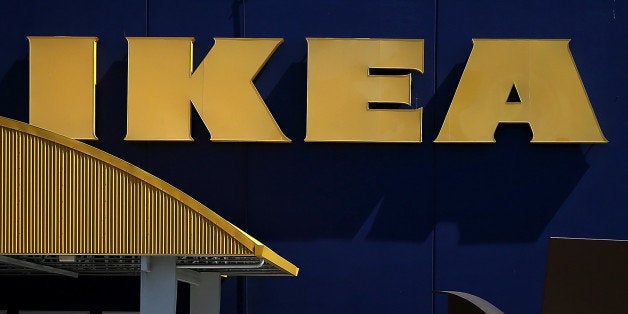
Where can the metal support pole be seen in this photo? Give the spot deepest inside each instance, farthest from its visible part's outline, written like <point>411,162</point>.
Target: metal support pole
<point>158,293</point>
<point>205,297</point>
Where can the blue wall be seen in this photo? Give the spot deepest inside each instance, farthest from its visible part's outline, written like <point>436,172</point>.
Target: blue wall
<point>375,228</point>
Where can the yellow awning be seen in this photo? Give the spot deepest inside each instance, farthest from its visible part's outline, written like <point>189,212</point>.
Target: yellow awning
<point>62,197</point>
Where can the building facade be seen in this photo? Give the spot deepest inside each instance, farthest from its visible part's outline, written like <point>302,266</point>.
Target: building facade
<point>373,227</point>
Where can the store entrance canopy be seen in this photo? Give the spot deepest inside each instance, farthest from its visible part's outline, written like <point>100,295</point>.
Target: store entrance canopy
<point>67,205</point>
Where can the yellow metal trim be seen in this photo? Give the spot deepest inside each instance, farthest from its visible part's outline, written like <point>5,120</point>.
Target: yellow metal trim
<point>25,146</point>
<point>270,256</point>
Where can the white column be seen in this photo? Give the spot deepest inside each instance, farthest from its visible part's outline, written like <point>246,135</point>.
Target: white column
<point>205,297</point>
<point>158,292</point>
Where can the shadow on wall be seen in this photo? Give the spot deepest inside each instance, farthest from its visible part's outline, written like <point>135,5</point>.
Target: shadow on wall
<point>329,190</point>
<point>14,92</point>
<point>503,192</point>
<point>495,193</point>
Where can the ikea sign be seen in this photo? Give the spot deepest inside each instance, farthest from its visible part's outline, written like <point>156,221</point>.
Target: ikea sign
<point>532,81</point>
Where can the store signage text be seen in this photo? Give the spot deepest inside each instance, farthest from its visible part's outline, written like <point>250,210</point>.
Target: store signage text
<point>162,82</point>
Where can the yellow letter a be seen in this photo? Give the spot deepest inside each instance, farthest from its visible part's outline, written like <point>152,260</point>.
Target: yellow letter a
<point>552,99</point>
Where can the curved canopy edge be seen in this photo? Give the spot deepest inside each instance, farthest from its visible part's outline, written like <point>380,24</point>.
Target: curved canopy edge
<point>61,196</point>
